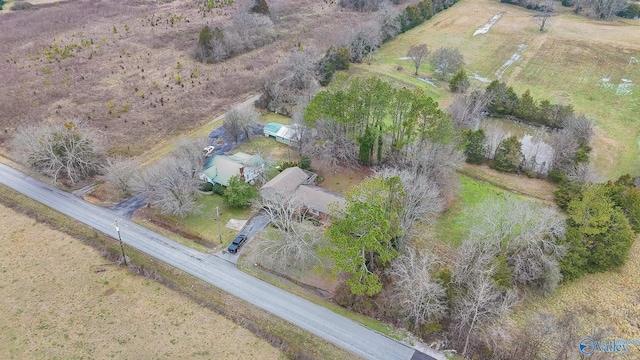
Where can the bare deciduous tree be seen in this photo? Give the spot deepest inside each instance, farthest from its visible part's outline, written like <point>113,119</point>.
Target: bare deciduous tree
<point>415,291</point>
<point>481,302</point>
<point>526,235</point>
<point>171,185</point>
<point>282,209</point>
<point>303,134</point>
<point>436,163</point>
<point>418,54</point>
<point>580,127</point>
<point>584,173</point>
<point>544,12</point>
<point>361,5</point>
<point>332,146</point>
<point>421,204</point>
<point>239,120</point>
<point>120,171</point>
<point>564,148</point>
<point>446,61</point>
<point>296,248</point>
<point>364,40</point>
<point>605,9</point>
<point>575,135</point>
<point>545,336</point>
<point>301,65</point>
<point>388,18</point>
<point>295,243</point>
<point>466,110</point>
<point>59,151</point>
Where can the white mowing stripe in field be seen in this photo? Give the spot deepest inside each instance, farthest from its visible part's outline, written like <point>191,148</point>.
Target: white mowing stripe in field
<point>485,28</point>
<point>480,78</point>
<point>515,57</point>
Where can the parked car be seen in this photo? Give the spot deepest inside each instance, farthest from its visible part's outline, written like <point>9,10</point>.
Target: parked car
<point>237,242</point>
<point>207,151</point>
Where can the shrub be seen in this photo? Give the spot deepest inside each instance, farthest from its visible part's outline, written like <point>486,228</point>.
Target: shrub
<point>21,5</point>
<point>238,193</point>
<point>305,163</point>
<point>286,165</point>
<point>260,7</point>
<point>206,186</point>
<point>459,82</point>
<point>218,189</point>
<point>556,176</point>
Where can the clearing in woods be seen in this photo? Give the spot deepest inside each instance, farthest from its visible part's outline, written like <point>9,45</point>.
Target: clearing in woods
<point>61,299</point>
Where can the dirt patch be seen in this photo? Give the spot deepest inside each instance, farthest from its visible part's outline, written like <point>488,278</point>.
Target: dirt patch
<point>62,300</point>
<point>340,179</point>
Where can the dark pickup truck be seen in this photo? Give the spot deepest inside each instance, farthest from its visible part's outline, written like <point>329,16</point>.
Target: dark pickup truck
<point>237,242</point>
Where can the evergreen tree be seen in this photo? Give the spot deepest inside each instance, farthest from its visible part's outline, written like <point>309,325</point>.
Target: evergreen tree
<point>599,235</point>
<point>508,156</point>
<point>205,37</point>
<point>527,108</point>
<point>475,149</point>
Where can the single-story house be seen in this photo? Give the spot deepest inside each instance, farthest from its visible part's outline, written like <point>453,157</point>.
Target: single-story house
<point>220,168</point>
<point>286,134</point>
<point>316,200</point>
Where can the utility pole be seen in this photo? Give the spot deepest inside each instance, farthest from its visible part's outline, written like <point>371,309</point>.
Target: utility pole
<point>218,218</point>
<point>124,257</point>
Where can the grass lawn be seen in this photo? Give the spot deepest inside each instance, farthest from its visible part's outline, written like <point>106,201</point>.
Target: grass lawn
<point>204,223</point>
<point>277,118</point>
<point>272,151</point>
<point>451,228</point>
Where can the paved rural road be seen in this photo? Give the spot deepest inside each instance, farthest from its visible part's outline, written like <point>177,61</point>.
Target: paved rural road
<point>220,273</point>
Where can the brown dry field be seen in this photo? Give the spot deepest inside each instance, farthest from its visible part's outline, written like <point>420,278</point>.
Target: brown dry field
<point>61,299</point>
<point>123,82</point>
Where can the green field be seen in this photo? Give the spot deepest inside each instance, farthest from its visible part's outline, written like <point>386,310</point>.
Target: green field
<point>590,64</point>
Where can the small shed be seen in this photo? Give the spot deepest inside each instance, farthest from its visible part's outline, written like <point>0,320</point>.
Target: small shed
<point>286,134</point>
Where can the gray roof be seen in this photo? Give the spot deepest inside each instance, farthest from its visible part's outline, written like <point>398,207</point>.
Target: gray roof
<point>293,181</point>
<point>319,199</point>
<point>287,181</point>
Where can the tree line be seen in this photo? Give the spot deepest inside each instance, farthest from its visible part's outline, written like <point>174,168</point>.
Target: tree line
<point>378,119</point>
<point>599,9</point>
<point>505,102</point>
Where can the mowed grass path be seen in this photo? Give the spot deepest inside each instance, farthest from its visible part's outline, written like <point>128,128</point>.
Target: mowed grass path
<point>593,65</point>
